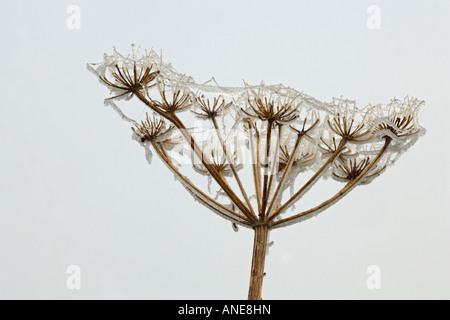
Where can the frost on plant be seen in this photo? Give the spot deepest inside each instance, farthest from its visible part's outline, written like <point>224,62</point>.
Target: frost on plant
<point>251,143</point>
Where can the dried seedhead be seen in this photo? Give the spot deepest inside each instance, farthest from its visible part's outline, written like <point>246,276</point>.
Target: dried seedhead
<point>180,101</point>
<point>402,125</point>
<point>151,128</point>
<point>271,111</point>
<point>398,119</point>
<point>348,170</point>
<point>348,129</point>
<point>210,111</point>
<point>280,145</point>
<point>138,79</point>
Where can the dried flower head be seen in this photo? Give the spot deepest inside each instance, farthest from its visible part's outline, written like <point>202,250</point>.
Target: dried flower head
<point>209,110</point>
<point>181,100</point>
<point>398,119</point>
<point>283,131</point>
<point>268,109</point>
<point>151,128</point>
<point>400,125</point>
<point>130,82</point>
<point>348,129</point>
<point>350,169</point>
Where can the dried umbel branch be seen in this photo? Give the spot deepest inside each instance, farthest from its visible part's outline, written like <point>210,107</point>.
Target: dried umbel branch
<point>274,133</point>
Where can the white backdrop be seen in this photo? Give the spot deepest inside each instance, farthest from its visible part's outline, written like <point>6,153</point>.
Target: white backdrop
<point>76,190</point>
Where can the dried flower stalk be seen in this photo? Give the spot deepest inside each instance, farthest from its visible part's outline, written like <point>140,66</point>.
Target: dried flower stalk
<point>285,132</point>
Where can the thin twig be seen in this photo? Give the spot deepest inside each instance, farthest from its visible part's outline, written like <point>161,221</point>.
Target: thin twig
<point>272,169</point>
<point>266,164</point>
<point>256,177</point>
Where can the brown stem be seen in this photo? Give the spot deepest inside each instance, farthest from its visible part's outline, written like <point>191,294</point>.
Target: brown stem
<point>258,165</point>
<point>266,164</point>
<point>273,168</point>
<point>255,164</point>
<point>258,260</point>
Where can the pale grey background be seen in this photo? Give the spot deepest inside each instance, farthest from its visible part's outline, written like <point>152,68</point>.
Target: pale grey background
<point>75,189</point>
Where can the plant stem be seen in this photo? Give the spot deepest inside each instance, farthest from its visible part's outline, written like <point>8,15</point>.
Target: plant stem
<point>258,260</point>
<point>255,163</point>
<point>273,168</point>
<point>266,170</point>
